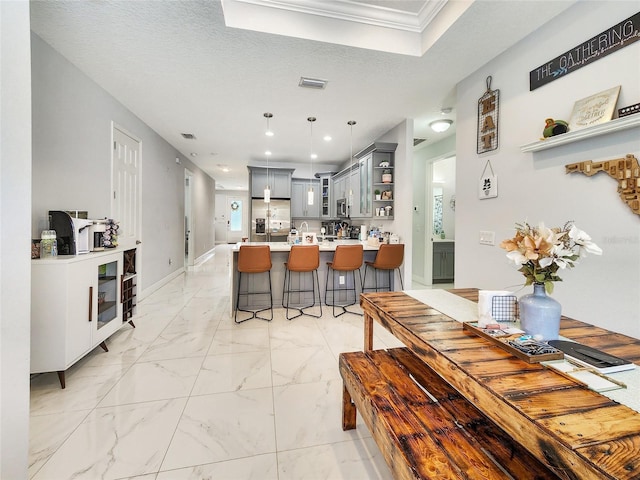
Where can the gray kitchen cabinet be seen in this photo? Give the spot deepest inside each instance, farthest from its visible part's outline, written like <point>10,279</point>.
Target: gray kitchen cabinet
<point>278,179</point>
<point>372,168</point>
<point>326,196</point>
<point>300,207</point>
<point>443,262</point>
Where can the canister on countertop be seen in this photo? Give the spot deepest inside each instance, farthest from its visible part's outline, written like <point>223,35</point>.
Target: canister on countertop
<point>48,244</point>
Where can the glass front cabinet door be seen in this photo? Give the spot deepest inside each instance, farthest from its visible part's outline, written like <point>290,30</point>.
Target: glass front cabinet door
<point>106,298</point>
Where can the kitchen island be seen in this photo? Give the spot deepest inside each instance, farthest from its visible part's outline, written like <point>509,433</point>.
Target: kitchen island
<point>279,255</point>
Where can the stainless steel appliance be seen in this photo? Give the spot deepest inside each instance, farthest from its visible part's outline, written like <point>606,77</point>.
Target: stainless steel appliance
<point>270,222</point>
<point>341,207</point>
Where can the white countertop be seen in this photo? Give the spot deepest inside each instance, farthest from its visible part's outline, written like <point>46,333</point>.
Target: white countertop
<point>78,258</point>
<point>324,246</point>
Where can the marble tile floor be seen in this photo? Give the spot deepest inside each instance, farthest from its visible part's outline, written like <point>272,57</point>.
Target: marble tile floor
<point>189,394</point>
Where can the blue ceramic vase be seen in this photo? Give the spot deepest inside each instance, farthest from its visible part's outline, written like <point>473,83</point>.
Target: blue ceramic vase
<point>540,314</point>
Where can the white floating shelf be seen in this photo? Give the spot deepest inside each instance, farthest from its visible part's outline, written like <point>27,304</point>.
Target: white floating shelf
<point>611,126</point>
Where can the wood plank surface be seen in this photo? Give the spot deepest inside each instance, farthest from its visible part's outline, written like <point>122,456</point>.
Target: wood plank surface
<point>577,433</point>
<point>434,435</point>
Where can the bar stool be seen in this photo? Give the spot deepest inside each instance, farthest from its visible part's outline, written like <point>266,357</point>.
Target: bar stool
<point>254,259</point>
<point>347,258</point>
<point>389,258</point>
<point>302,259</point>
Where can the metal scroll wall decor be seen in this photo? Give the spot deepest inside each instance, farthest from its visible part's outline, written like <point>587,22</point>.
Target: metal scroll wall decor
<point>626,171</point>
<point>488,112</point>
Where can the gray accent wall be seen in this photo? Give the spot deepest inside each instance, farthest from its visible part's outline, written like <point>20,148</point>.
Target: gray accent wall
<point>72,118</point>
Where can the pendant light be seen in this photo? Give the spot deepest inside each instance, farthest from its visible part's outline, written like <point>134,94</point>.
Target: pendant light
<point>310,192</point>
<point>269,133</point>
<point>351,123</point>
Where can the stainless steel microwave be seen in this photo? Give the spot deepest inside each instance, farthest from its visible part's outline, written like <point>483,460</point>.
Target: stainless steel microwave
<point>341,207</point>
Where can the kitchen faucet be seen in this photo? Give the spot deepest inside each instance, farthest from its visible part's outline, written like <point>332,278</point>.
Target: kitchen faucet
<point>305,224</point>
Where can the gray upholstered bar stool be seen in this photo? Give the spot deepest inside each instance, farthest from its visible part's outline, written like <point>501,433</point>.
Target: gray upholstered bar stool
<point>347,258</point>
<point>302,259</point>
<point>389,258</point>
<point>254,259</point>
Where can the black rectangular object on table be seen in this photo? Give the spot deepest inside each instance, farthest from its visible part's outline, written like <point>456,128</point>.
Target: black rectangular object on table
<point>591,357</point>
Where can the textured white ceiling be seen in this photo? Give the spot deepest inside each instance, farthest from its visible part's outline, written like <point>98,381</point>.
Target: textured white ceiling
<point>180,69</point>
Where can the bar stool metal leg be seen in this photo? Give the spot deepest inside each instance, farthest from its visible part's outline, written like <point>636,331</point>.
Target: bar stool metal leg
<point>254,313</point>
<point>287,291</point>
<point>333,291</point>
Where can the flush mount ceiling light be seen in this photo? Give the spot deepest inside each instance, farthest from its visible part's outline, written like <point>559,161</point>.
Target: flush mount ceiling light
<point>268,132</point>
<point>316,83</point>
<point>441,125</point>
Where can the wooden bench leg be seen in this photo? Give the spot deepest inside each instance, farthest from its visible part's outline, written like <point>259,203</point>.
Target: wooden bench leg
<point>368,332</point>
<point>348,410</point>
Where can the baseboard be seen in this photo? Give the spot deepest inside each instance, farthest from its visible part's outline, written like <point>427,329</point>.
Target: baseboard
<point>159,284</point>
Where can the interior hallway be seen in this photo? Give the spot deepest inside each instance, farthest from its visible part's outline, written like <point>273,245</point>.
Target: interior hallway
<point>189,394</point>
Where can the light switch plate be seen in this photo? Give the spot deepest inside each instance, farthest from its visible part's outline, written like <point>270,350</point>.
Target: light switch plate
<point>487,237</point>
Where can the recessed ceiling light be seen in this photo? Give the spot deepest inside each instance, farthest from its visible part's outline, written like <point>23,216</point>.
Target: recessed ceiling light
<point>188,136</point>
<point>267,153</point>
<point>193,154</point>
<point>225,169</point>
<point>314,155</point>
<point>316,83</point>
<point>327,138</point>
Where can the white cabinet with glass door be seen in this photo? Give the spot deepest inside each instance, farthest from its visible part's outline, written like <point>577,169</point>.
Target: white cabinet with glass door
<point>76,304</point>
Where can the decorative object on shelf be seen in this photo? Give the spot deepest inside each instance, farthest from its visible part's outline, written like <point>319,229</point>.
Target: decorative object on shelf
<point>626,171</point>
<point>386,176</point>
<point>384,164</point>
<point>488,112</point>
<point>554,127</point>
<point>387,195</point>
<point>630,110</point>
<point>488,186</point>
<point>611,40</point>
<point>377,194</point>
<point>595,109</point>
<point>540,252</point>
<point>110,235</point>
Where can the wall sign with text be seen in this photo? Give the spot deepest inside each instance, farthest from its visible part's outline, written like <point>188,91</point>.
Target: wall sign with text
<point>488,109</point>
<point>619,36</point>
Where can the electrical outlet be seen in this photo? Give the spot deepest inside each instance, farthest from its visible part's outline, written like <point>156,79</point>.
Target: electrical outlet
<point>341,279</point>
<point>487,237</point>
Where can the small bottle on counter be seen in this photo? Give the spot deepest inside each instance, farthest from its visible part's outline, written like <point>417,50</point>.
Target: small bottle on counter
<point>48,244</point>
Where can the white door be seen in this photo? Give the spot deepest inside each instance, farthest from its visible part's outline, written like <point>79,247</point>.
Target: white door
<point>189,231</point>
<point>125,182</point>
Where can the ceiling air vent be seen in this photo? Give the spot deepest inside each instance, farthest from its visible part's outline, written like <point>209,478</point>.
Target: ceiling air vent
<point>188,136</point>
<point>418,141</point>
<point>316,83</point>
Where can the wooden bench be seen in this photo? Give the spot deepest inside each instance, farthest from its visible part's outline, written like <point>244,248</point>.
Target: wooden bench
<point>423,427</point>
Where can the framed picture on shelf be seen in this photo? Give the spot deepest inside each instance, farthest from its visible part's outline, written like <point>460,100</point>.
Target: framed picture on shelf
<point>594,110</point>
<point>386,195</point>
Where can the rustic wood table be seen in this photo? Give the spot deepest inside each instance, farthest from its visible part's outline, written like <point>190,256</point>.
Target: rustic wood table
<point>576,432</point>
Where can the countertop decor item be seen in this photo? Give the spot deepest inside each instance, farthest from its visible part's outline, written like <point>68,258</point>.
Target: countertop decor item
<point>540,252</point>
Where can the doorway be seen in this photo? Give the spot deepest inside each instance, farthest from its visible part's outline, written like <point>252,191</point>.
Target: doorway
<point>188,219</point>
<point>231,215</point>
<point>442,222</point>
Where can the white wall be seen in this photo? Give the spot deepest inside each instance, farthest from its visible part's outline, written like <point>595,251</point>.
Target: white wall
<point>15,238</point>
<point>444,171</point>
<point>533,186</point>
<point>72,118</point>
